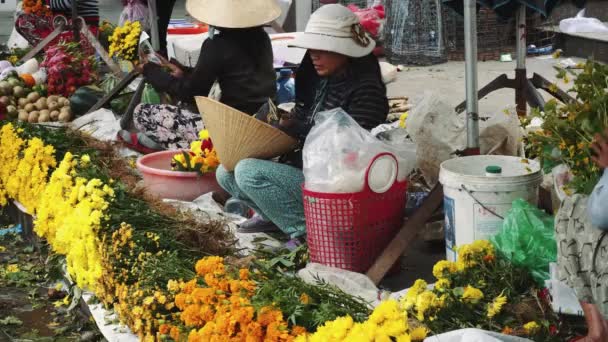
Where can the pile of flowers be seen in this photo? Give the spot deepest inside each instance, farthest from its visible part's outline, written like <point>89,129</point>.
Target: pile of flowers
<point>36,7</point>
<point>25,168</point>
<point>125,40</point>
<point>388,322</point>
<point>484,290</point>
<point>568,130</point>
<point>68,67</point>
<point>201,157</point>
<point>216,305</point>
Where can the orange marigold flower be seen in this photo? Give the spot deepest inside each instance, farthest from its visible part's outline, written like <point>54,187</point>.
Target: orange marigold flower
<point>189,286</point>
<point>174,333</point>
<point>304,299</point>
<point>298,330</point>
<point>244,274</point>
<point>507,331</point>
<point>164,329</point>
<point>489,258</point>
<point>269,315</point>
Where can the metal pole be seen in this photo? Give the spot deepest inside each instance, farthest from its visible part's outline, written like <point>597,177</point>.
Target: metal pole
<point>470,55</point>
<point>520,20</point>
<point>75,28</point>
<point>521,77</point>
<point>154,24</point>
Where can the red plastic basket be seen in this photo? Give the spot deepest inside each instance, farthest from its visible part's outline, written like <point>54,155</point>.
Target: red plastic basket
<point>349,231</point>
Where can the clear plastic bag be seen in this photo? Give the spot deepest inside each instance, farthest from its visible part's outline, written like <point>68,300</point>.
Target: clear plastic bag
<point>338,152</point>
<point>527,239</point>
<point>581,24</point>
<point>135,10</point>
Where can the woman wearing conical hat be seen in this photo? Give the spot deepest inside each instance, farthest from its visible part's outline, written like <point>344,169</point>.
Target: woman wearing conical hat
<point>338,71</point>
<point>237,54</point>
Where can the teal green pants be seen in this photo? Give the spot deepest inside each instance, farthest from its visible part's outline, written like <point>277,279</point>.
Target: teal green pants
<point>273,190</point>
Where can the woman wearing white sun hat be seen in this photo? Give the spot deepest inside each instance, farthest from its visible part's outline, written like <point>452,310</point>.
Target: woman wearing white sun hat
<point>237,54</point>
<point>338,70</point>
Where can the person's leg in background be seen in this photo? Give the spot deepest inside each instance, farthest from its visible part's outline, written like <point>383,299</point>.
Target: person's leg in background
<point>164,10</point>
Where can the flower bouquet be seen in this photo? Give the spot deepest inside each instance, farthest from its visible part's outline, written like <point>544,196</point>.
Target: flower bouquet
<point>201,158</point>
<point>125,40</point>
<point>182,175</point>
<point>568,130</point>
<point>484,290</point>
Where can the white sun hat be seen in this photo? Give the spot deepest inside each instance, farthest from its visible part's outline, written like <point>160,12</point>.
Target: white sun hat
<point>335,28</point>
<point>234,13</point>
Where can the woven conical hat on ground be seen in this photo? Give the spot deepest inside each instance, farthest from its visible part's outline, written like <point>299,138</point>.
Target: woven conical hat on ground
<point>237,136</point>
<point>234,13</point>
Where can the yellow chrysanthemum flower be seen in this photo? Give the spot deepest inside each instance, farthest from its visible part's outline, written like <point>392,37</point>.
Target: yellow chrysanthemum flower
<point>419,333</point>
<point>531,328</point>
<point>495,307</point>
<point>471,295</point>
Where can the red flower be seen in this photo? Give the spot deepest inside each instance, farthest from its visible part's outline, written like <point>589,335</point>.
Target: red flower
<point>207,145</point>
<point>553,330</point>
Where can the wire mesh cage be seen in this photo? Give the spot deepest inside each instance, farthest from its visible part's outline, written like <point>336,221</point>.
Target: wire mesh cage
<point>414,32</point>
<point>494,36</point>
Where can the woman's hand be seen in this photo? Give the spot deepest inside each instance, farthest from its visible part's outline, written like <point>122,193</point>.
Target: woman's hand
<point>175,71</point>
<point>600,146</point>
<point>597,327</point>
<point>143,60</point>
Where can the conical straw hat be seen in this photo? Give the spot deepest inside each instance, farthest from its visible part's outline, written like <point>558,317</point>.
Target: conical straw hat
<point>237,136</point>
<point>234,13</point>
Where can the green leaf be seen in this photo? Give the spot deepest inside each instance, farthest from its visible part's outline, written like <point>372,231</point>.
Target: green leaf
<point>10,320</point>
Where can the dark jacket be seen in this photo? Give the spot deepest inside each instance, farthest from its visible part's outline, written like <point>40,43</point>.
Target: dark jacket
<point>360,91</point>
<point>239,59</point>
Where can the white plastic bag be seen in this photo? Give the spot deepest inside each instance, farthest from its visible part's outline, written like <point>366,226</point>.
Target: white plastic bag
<point>580,24</point>
<point>135,10</point>
<point>338,152</point>
<point>474,335</point>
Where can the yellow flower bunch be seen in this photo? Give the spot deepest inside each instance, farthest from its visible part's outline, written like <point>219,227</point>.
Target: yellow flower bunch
<point>496,306</point>
<point>472,295</point>
<point>222,309</point>
<point>475,253</point>
<point>125,40</point>
<point>69,217</point>
<point>201,157</point>
<point>25,168</point>
<point>10,147</point>
<point>387,322</point>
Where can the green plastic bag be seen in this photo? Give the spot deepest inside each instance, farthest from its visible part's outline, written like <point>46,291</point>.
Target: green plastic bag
<point>150,95</point>
<point>527,239</point>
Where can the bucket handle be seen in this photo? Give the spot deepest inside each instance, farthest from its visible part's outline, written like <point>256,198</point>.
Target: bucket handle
<point>478,202</point>
<point>369,168</point>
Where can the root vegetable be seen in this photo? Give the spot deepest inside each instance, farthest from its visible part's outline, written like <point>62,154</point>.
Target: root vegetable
<point>55,115</point>
<point>64,116</point>
<point>23,115</point>
<point>33,97</point>
<point>18,91</point>
<point>11,111</point>
<point>33,117</point>
<point>41,104</point>
<point>52,105</point>
<point>29,107</point>
<point>22,102</point>
<point>53,98</point>
<point>44,117</point>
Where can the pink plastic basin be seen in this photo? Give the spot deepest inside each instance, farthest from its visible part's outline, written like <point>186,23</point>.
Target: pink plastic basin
<point>161,181</point>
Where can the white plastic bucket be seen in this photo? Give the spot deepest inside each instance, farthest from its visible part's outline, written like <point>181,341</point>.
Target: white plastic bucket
<point>8,5</point>
<point>475,204</point>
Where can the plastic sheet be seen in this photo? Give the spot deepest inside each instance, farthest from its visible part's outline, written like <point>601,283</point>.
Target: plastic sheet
<point>371,18</point>
<point>150,95</point>
<point>337,153</point>
<point>527,239</point>
<point>135,10</point>
<point>580,24</point>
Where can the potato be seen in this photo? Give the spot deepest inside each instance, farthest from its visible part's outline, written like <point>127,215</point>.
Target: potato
<point>61,100</point>
<point>66,110</point>
<point>64,117</point>
<point>33,97</point>
<point>45,112</point>
<point>55,115</point>
<point>33,117</point>
<point>22,102</point>
<point>52,98</point>
<point>44,117</point>
<point>52,105</point>
<point>23,115</point>
<point>41,104</point>
<point>29,108</point>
